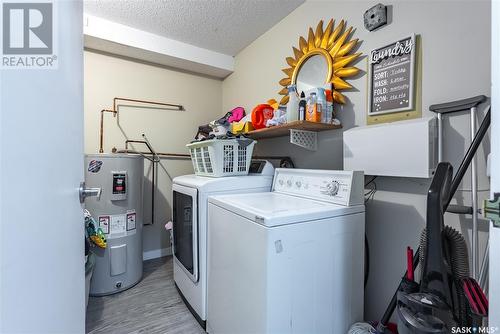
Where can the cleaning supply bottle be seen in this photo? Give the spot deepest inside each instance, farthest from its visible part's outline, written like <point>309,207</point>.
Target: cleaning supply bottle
<point>292,107</point>
<point>313,113</point>
<point>329,106</point>
<point>322,103</point>
<point>302,106</point>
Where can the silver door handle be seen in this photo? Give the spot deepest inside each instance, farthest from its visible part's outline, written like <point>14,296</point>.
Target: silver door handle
<point>88,192</point>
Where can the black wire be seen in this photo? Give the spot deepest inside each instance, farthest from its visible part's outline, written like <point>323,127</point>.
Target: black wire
<point>367,260</point>
<point>371,193</point>
<point>373,179</point>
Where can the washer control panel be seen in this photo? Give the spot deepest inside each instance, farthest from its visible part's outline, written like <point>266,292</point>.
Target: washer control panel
<point>339,187</point>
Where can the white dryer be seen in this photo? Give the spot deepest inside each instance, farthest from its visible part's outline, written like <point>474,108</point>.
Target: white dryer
<point>290,260</point>
<point>190,214</point>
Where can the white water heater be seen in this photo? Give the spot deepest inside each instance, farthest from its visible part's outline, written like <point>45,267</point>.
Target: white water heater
<point>118,212</point>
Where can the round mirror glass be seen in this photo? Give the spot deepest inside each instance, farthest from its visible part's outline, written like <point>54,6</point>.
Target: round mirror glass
<point>312,73</point>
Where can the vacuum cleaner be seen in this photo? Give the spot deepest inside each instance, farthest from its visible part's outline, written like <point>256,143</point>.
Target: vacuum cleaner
<point>446,296</point>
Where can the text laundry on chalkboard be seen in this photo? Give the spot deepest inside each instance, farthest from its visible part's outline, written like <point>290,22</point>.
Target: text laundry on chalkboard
<point>391,77</point>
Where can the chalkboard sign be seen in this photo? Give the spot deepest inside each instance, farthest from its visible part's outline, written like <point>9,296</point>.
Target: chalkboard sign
<point>391,77</point>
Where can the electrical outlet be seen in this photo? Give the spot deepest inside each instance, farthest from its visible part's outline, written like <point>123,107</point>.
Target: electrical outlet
<point>375,17</point>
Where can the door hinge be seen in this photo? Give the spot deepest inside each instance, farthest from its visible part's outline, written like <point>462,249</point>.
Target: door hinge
<point>491,209</point>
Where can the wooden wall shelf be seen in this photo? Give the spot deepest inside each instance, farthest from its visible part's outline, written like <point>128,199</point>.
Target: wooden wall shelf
<point>284,130</point>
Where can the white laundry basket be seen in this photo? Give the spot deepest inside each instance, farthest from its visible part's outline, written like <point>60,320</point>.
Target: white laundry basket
<point>221,157</point>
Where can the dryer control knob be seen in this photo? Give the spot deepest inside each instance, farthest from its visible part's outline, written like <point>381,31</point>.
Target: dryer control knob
<point>333,188</point>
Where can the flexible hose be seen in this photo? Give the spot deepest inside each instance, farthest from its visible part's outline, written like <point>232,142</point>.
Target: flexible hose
<point>457,261</point>
<point>362,328</point>
<point>457,248</point>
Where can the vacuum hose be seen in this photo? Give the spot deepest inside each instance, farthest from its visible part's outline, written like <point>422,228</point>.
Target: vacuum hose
<point>457,261</point>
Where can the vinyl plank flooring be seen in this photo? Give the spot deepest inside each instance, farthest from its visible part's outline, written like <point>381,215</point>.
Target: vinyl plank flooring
<point>153,306</point>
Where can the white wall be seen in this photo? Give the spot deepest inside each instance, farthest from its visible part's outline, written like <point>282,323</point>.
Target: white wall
<point>455,64</point>
<point>169,131</point>
<point>495,167</point>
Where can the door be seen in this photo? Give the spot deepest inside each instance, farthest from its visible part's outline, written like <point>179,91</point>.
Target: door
<point>494,253</point>
<point>42,287</point>
<point>185,229</point>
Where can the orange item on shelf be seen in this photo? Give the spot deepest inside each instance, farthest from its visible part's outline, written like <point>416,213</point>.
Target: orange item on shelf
<point>273,103</point>
<point>260,114</point>
<point>329,95</point>
<point>313,113</point>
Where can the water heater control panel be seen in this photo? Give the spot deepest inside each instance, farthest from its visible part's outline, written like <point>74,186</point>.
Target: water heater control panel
<point>119,186</point>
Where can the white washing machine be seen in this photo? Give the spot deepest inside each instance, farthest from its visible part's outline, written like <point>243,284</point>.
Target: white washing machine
<point>290,260</point>
<point>190,214</point>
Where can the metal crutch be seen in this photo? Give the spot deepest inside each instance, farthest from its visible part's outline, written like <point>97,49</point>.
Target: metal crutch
<point>451,107</point>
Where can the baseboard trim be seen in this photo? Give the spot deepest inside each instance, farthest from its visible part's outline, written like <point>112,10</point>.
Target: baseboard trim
<point>156,253</point>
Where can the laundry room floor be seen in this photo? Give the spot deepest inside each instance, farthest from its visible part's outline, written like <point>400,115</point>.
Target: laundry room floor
<point>152,306</point>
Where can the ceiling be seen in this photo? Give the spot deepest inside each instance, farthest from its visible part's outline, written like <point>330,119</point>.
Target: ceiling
<point>225,26</point>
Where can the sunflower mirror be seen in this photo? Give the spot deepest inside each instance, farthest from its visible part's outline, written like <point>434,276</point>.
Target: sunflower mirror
<point>313,73</point>
<point>322,61</point>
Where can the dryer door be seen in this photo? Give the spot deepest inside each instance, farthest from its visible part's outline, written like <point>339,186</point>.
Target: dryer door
<point>185,229</point>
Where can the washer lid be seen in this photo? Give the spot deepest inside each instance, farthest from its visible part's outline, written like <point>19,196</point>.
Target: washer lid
<point>274,209</point>
<point>211,184</point>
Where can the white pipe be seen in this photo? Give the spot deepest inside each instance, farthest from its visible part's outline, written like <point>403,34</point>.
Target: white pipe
<point>440,137</point>
<point>474,239</point>
<point>483,272</point>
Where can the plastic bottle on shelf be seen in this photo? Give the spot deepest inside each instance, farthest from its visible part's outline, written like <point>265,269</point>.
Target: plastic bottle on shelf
<point>302,106</point>
<point>292,107</point>
<point>313,110</point>
<point>322,104</point>
<point>329,106</point>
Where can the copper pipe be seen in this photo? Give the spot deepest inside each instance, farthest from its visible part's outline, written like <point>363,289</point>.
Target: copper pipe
<point>174,155</point>
<point>115,112</point>
<point>153,175</point>
<point>187,156</point>
<point>168,155</point>
<point>178,106</point>
<point>101,132</point>
<point>270,157</point>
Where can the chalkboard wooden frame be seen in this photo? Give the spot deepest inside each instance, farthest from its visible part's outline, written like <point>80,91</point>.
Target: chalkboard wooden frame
<point>411,101</point>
